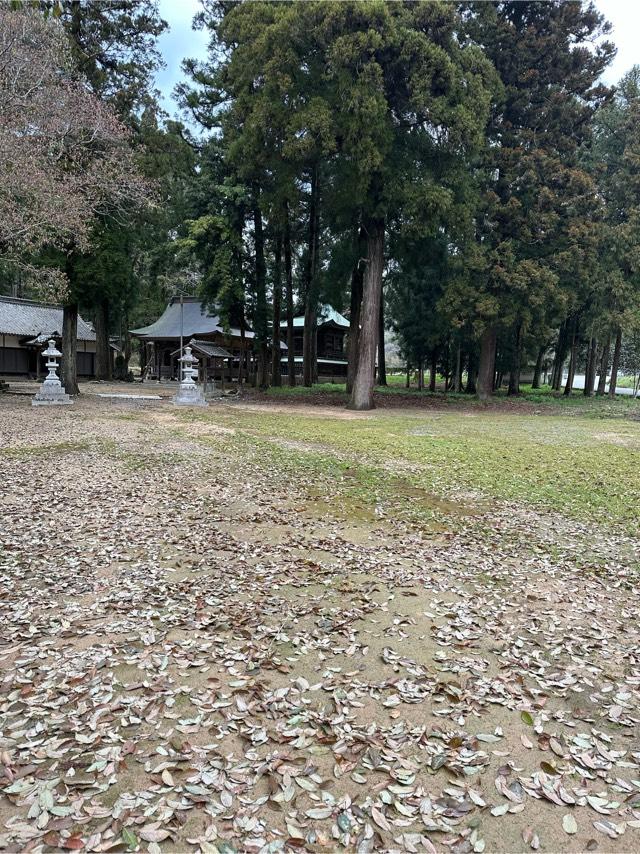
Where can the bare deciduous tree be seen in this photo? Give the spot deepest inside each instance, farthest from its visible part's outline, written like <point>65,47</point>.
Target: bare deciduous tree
<point>65,158</point>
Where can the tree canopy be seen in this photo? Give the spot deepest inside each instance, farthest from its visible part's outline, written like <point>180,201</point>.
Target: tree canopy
<point>468,155</point>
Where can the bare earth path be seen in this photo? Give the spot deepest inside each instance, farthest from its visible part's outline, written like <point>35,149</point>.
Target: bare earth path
<point>206,646</point>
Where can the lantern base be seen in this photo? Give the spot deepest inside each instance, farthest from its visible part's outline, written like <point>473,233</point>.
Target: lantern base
<point>189,395</point>
<point>51,394</point>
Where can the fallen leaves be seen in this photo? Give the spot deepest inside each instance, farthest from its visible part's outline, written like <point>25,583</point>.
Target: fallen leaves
<point>173,674</point>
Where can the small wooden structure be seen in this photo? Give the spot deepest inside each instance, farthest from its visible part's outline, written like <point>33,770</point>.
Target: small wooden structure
<point>214,363</point>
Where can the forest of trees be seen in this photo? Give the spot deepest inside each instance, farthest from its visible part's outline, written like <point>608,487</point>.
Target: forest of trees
<point>453,173</point>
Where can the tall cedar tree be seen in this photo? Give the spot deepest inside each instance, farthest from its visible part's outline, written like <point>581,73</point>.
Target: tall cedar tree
<point>533,225</point>
<point>262,89</point>
<point>285,73</point>
<point>613,158</point>
<point>414,94</point>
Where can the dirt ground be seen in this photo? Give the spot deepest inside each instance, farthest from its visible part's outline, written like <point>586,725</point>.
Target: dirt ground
<point>200,651</point>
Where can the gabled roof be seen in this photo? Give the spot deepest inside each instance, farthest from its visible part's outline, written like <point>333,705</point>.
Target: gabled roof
<point>206,348</point>
<point>25,317</point>
<point>327,315</point>
<point>191,319</point>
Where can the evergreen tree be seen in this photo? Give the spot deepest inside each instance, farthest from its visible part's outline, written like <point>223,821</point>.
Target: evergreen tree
<point>613,158</point>
<point>418,100</point>
<point>534,222</point>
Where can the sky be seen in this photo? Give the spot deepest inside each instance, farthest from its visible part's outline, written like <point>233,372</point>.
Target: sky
<point>625,17</point>
<point>181,41</point>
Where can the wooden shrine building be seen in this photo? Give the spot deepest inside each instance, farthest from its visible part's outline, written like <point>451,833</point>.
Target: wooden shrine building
<point>220,351</point>
<point>331,350</point>
<point>26,326</point>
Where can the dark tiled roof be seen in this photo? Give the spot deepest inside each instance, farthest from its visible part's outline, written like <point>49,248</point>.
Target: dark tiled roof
<point>206,348</point>
<point>210,349</point>
<point>27,317</point>
<point>196,320</point>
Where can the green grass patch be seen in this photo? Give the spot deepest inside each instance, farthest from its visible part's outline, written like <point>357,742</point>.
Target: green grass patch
<point>584,468</point>
<point>305,391</point>
<point>626,382</point>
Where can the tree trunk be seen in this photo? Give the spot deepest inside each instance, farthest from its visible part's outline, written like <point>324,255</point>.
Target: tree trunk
<point>362,394</point>
<point>457,380</point>
<point>288,272</point>
<point>276,374</point>
<point>309,332</point>
<point>537,372</point>
<point>408,380</point>
<point>261,330</point>
<point>421,375</point>
<point>309,344</point>
<point>147,359</point>
<point>103,348</point>
<point>357,275</point>
<point>314,352</point>
<point>487,364</point>
<point>69,369</point>
<point>514,373</point>
<point>471,371</point>
<point>572,360</point>
<point>615,364</point>
<point>446,366</point>
<point>433,370</point>
<point>590,374</point>
<point>604,367</point>
<point>125,345</point>
<point>560,356</point>
<point>382,361</point>
<point>243,350</point>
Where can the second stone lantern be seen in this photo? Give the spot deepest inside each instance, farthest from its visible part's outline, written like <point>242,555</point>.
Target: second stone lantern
<point>189,393</point>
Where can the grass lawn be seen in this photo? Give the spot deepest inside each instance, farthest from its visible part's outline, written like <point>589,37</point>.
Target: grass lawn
<point>275,625</point>
<point>585,465</point>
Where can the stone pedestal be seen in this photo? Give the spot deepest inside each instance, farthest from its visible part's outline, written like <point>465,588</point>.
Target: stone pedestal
<point>189,394</point>
<point>51,391</point>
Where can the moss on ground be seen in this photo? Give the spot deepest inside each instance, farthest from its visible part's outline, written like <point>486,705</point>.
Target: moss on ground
<point>585,468</point>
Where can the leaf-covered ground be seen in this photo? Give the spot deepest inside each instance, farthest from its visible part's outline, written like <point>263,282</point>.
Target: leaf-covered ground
<point>261,628</point>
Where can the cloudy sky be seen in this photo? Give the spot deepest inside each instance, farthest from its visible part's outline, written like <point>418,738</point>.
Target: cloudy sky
<point>176,44</point>
<point>181,41</point>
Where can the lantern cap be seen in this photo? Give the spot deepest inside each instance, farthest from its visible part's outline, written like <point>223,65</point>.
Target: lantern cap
<point>52,349</point>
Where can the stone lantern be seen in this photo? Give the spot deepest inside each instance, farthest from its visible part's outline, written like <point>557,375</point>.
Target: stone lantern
<point>189,393</point>
<point>51,391</point>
